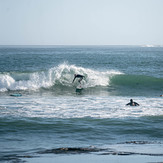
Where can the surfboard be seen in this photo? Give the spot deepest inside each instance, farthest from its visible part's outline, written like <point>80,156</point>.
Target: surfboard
<point>16,94</point>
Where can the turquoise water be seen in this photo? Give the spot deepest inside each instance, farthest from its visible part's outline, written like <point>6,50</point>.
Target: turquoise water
<point>50,115</point>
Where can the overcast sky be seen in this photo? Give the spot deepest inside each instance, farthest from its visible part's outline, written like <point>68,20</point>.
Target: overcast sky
<point>81,22</point>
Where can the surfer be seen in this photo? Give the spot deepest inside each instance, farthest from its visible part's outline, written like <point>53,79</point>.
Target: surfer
<point>132,103</point>
<point>78,76</point>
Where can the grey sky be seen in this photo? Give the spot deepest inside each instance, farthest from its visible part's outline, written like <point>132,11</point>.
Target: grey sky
<point>81,22</point>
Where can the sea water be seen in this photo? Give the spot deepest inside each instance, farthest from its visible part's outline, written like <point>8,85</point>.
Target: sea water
<point>51,115</point>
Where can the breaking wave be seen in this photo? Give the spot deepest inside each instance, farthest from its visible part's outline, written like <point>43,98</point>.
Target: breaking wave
<point>62,75</point>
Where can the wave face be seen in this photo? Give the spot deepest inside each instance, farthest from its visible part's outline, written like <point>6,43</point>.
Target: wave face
<point>138,81</point>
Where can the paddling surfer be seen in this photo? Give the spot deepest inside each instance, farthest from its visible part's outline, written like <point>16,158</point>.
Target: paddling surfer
<point>132,103</point>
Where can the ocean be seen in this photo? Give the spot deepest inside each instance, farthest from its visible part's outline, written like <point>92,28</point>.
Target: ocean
<point>51,119</point>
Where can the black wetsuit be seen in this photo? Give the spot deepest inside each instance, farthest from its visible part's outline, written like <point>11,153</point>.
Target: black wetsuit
<point>133,104</point>
<point>78,76</point>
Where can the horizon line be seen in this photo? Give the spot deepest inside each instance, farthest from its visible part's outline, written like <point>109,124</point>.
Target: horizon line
<point>142,45</point>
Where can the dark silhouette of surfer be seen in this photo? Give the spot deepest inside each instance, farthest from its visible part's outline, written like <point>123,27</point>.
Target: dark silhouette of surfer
<point>78,76</point>
<point>132,103</point>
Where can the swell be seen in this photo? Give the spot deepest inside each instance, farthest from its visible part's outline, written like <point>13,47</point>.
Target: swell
<point>86,126</point>
<point>137,81</point>
<point>136,85</point>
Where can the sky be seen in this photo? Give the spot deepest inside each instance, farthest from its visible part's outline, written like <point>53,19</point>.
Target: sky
<point>81,22</point>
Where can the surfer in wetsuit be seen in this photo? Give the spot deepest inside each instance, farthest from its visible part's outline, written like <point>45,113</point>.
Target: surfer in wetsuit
<point>78,76</point>
<point>132,103</point>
